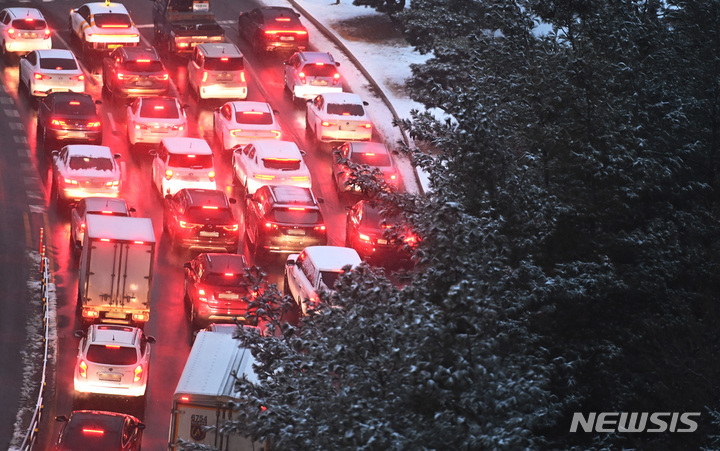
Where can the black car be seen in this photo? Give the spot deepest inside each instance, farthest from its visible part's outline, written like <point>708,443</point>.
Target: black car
<point>97,430</point>
<point>378,238</point>
<point>201,220</point>
<point>273,28</point>
<point>217,289</point>
<point>68,118</point>
<point>283,219</point>
<point>134,71</point>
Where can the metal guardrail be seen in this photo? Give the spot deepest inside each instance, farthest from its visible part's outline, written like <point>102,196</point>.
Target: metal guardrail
<point>33,429</point>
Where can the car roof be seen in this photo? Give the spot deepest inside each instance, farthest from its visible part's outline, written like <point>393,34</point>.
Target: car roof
<point>114,204</point>
<point>274,148</point>
<point>278,11</point>
<point>220,49</point>
<point>226,262</point>
<point>55,53</point>
<point>365,146</point>
<point>200,196</point>
<point>187,146</point>
<point>113,334</point>
<point>67,96</point>
<point>342,97</point>
<point>332,258</point>
<point>250,105</point>
<point>89,150</point>
<point>290,194</point>
<point>317,57</point>
<point>106,7</point>
<point>20,12</point>
<point>140,52</point>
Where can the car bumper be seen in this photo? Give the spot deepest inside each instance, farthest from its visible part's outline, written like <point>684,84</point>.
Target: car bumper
<point>171,187</point>
<point>285,46</point>
<point>205,317</point>
<point>283,244</point>
<point>310,92</point>
<point>223,91</point>
<point>231,141</point>
<point>198,244</point>
<point>130,92</point>
<point>76,194</point>
<point>342,135</point>
<point>28,45</point>
<point>40,89</point>
<point>154,136</point>
<point>98,388</point>
<point>79,136</point>
<point>253,184</point>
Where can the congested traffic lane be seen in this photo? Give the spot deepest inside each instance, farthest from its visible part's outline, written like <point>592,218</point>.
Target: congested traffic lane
<point>167,322</point>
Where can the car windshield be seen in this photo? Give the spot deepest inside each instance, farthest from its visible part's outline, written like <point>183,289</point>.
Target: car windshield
<point>345,109</point>
<point>29,24</point>
<point>330,277</point>
<point>226,279</point>
<point>370,158</point>
<point>99,163</point>
<point>160,109</point>
<point>224,63</point>
<point>142,65</point>
<point>112,354</point>
<point>75,107</point>
<point>319,70</point>
<point>112,20</point>
<point>58,64</point>
<point>191,161</point>
<point>281,164</point>
<point>204,213</point>
<point>254,117</point>
<point>295,215</point>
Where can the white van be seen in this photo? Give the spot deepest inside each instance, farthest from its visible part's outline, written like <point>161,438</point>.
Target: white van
<point>217,71</point>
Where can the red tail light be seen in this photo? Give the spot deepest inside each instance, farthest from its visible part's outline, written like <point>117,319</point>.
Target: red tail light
<point>82,226</point>
<point>95,124</point>
<point>300,178</point>
<point>277,133</point>
<point>364,237</point>
<point>320,228</point>
<point>231,228</point>
<point>336,78</point>
<point>140,317</point>
<point>11,33</point>
<point>204,77</point>
<point>302,77</point>
<point>80,77</point>
<point>47,33</point>
<point>368,125</point>
<point>242,76</point>
<point>120,76</point>
<point>142,60</point>
<point>57,123</point>
<point>138,373</point>
<point>93,431</point>
<point>90,314</point>
<point>82,369</point>
<point>112,183</point>
<point>211,175</point>
<point>38,76</point>
<point>178,127</point>
<point>271,226</point>
<point>264,176</point>
<point>328,124</point>
<point>168,174</point>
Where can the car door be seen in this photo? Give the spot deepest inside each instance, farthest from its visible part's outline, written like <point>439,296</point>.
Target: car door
<point>194,66</point>
<point>173,212</point>
<point>78,19</point>
<point>4,24</point>
<point>60,164</point>
<point>243,161</point>
<point>314,112</point>
<point>291,66</point>
<point>223,122</point>
<point>158,167</point>
<point>77,218</point>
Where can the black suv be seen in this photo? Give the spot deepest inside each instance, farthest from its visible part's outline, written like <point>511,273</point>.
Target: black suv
<point>68,118</point>
<point>134,72</point>
<point>201,220</point>
<point>217,289</point>
<point>273,28</point>
<point>378,238</point>
<point>283,218</point>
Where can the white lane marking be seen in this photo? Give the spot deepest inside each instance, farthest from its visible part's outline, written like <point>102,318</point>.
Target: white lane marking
<point>6,100</point>
<point>16,126</point>
<point>112,122</point>
<point>20,139</point>
<point>11,113</point>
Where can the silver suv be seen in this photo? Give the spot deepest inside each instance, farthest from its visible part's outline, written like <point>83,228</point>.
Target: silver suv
<point>308,74</point>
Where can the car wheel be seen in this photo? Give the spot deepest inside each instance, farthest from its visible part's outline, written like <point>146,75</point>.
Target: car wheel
<point>235,180</point>
<point>286,286</point>
<point>186,298</point>
<point>74,249</point>
<point>194,323</point>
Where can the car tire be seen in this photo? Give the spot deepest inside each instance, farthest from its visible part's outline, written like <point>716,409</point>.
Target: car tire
<point>193,319</point>
<point>235,179</point>
<point>74,250</point>
<point>286,286</point>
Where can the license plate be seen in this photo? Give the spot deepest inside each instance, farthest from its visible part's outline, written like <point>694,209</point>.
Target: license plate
<point>382,241</point>
<point>296,232</point>
<point>75,134</point>
<point>29,35</point>
<point>110,377</point>
<point>287,38</point>
<point>159,130</point>
<point>144,83</point>
<point>233,296</point>
<point>209,234</point>
<point>116,315</point>
<point>318,83</point>
<point>113,46</point>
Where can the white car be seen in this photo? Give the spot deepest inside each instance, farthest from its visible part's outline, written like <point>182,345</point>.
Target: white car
<point>23,30</point>
<point>112,360</point>
<point>101,27</point>
<point>316,268</point>
<point>83,170</point>
<point>44,71</point>
<point>182,163</point>
<point>338,116</point>
<point>150,119</point>
<point>374,155</point>
<point>268,162</point>
<point>239,122</point>
<point>309,74</point>
<point>108,206</point>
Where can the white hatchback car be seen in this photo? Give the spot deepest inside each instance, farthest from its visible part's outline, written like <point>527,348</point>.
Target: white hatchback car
<point>338,116</point>
<point>268,162</point>
<point>101,27</point>
<point>182,163</point>
<point>150,119</point>
<point>217,71</point>
<point>83,170</point>
<point>23,30</point>
<point>239,122</point>
<point>108,206</point>
<point>44,71</point>
<point>112,360</point>
<point>308,74</point>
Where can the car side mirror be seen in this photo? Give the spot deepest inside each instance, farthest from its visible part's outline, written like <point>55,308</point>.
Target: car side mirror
<point>152,152</point>
<point>187,265</point>
<point>249,197</point>
<point>79,334</point>
<point>336,152</point>
<point>168,196</point>
<point>321,200</point>
<point>62,418</point>
<point>276,112</point>
<point>55,153</point>
<point>232,200</point>
<point>303,153</point>
<point>131,210</point>
<point>308,100</point>
<point>117,156</point>
<point>184,106</point>
<point>150,339</point>
<point>98,102</point>
<point>337,64</point>
<point>365,103</point>
<point>290,262</point>
<point>141,426</point>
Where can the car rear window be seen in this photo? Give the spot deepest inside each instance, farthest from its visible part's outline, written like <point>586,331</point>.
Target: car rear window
<point>295,215</point>
<point>281,164</point>
<point>319,70</point>
<point>112,20</point>
<point>190,161</point>
<point>345,109</point>
<point>143,65</point>
<point>58,64</point>
<point>75,107</point>
<point>330,277</point>
<point>160,109</point>
<point>371,159</point>
<point>29,24</point>
<point>254,117</point>
<point>224,63</point>
<point>99,163</point>
<point>200,213</point>
<point>226,279</point>
<point>112,354</point>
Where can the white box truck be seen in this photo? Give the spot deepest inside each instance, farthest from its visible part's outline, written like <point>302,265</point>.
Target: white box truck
<point>206,391</point>
<point>116,270</point>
